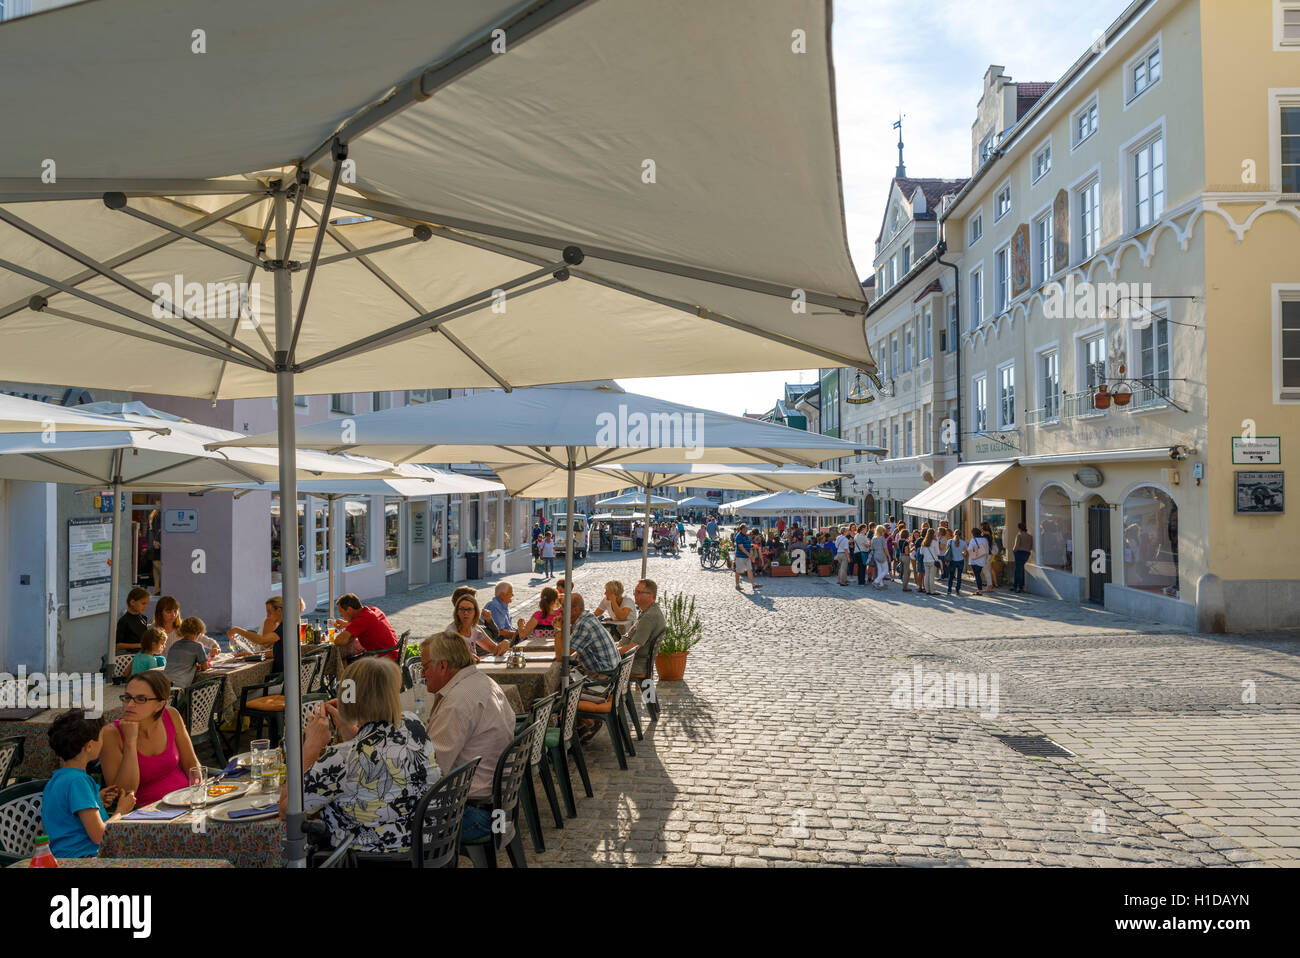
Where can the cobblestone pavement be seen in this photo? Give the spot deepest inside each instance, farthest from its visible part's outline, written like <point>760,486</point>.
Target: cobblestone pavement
<point>794,739</point>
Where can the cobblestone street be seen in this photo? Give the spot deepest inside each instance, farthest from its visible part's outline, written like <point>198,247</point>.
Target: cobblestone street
<point>792,739</point>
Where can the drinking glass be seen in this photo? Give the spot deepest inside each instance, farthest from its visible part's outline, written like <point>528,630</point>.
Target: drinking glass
<point>198,778</point>
<point>258,750</point>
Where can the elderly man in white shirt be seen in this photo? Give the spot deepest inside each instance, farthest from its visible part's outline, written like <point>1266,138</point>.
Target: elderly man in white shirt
<point>842,555</point>
<point>470,716</point>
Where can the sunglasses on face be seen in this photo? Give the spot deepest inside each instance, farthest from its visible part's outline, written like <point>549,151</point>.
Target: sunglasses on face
<point>138,699</point>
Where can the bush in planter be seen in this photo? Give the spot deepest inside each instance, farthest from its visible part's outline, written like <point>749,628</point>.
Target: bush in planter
<point>821,557</point>
<point>683,631</point>
<point>783,558</point>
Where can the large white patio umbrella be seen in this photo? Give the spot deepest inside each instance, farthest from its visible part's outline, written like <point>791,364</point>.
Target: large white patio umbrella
<point>630,500</point>
<point>456,187</point>
<point>149,450</point>
<point>787,504</point>
<point>18,415</point>
<point>531,437</point>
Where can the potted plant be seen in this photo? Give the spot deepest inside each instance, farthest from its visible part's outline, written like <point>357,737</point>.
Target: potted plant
<point>822,560</point>
<point>724,549</point>
<point>683,630</point>
<point>1101,399</point>
<point>782,566</point>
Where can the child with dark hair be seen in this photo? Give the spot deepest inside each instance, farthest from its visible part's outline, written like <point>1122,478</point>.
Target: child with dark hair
<point>149,656</point>
<point>187,655</point>
<point>73,812</point>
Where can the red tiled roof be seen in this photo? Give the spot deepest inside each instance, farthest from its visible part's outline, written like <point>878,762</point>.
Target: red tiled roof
<point>934,190</point>
<point>1027,94</point>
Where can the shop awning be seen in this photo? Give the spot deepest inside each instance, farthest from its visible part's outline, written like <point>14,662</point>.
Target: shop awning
<point>955,488</point>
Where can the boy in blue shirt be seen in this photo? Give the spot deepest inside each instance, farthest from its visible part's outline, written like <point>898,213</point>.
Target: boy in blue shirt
<point>72,809</point>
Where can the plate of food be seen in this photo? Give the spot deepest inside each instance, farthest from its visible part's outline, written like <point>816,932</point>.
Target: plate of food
<point>194,796</point>
<point>249,808</point>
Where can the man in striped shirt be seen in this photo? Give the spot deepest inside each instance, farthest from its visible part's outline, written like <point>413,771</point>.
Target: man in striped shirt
<point>594,647</point>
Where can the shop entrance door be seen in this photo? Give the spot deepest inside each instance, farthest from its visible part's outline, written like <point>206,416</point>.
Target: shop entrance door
<point>1099,556</point>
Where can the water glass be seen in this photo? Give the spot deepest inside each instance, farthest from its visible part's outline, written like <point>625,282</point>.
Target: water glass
<point>257,758</point>
<point>198,777</point>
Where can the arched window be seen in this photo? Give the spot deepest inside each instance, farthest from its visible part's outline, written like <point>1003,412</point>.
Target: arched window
<point>1055,539</point>
<point>1151,541</point>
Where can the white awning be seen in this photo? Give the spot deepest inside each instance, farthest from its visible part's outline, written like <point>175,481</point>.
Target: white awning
<point>955,488</point>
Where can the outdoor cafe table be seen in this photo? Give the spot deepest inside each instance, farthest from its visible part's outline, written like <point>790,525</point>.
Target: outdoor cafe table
<point>39,760</point>
<point>257,844</point>
<point>534,681</point>
<point>237,679</point>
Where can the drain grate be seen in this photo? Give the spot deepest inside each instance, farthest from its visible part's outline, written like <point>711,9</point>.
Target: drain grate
<point>1035,746</point>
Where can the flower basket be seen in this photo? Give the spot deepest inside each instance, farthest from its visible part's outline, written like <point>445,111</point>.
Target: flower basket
<point>1101,399</point>
<point>1122,396</point>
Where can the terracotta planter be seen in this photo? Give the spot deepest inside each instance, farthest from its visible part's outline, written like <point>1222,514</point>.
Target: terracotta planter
<point>1101,400</point>
<point>780,571</point>
<point>824,570</point>
<point>1122,398</point>
<point>671,667</point>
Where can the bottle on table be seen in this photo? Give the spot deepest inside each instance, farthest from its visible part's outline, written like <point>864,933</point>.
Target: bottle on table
<point>43,857</point>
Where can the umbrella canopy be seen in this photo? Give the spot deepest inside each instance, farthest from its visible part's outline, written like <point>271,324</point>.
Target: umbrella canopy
<point>787,503</point>
<point>18,415</point>
<point>633,499</point>
<point>695,502</point>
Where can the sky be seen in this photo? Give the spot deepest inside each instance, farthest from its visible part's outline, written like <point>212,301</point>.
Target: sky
<point>925,59</point>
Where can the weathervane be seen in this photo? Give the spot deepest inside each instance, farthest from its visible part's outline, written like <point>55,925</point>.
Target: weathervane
<point>902,170</point>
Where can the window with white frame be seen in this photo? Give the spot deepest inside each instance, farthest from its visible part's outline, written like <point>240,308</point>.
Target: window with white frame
<point>342,402</point>
<point>301,401</point>
<point>1087,203</point>
<point>1287,344</point>
<point>976,227</point>
<point>907,437</point>
<point>1002,270</point>
<point>908,348</point>
<point>356,531</point>
<point>320,525</point>
<point>893,356</point>
<point>1286,25</point>
<point>927,331</point>
<point>950,342</point>
<point>1152,354</point>
<point>1007,396</point>
<point>392,535</point>
<point>1040,164</point>
<point>1049,385</point>
<point>380,401</point>
<point>1147,166</point>
<point>976,298</point>
<point>1143,72</point>
<point>980,404</point>
<point>927,435</point>
<point>1042,239</point>
<point>1083,122</point>
<point>893,446</point>
<point>893,269</point>
<point>1002,202</point>
<point>1289,147</point>
<point>415,396</point>
<point>986,148</point>
<point>907,257</point>
<point>1092,352</point>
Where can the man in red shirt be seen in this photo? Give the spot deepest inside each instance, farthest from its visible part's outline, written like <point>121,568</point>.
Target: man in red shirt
<point>367,624</point>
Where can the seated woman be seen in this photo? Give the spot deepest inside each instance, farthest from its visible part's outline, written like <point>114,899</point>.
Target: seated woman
<point>149,656</point>
<point>271,633</point>
<point>549,614</point>
<point>466,625</point>
<point>148,750</point>
<point>167,616</point>
<point>620,610</point>
<point>369,783</point>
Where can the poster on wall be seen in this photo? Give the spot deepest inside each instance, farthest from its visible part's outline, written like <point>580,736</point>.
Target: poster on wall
<point>1259,493</point>
<point>90,541</point>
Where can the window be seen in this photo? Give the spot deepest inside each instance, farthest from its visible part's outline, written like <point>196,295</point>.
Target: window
<point>927,331</point>
<point>1286,26</point>
<point>436,514</point>
<point>1153,360</point>
<point>414,396</point>
<point>1040,164</point>
<point>453,527</point>
<point>380,401</point>
<point>907,436</point>
<point>1147,163</point>
<point>1289,160</point>
<point>893,356</point>
<point>908,348</point>
<point>927,435</point>
<point>986,148</point>
<point>1151,541</point>
<point>320,522</point>
<point>980,398</point>
<point>1287,345</point>
<point>976,227</point>
<point>1042,239</point>
<point>893,269</point>
<point>1083,123</point>
<point>1093,352</point>
<point>1002,203</point>
<point>1087,200</point>
<point>508,522</point>
<point>907,257</point>
<point>356,531</point>
<point>976,299</point>
<point>1002,268</point>
<point>276,574</point>
<point>301,401</point>
<point>951,342</point>
<point>392,535</point>
<point>1055,540</point>
<point>1007,397</point>
<point>1049,385</point>
<point>490,541</point>
<point>1143,72</point>
<point>341,402</point>
<point>898,221</point>
<point>893,446</point>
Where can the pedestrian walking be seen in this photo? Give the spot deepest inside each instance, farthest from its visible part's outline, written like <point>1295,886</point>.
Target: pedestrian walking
<point>977,554</point>
<point>862,543</point>
<point>743,561</point>
<point>930,555</point>
<point>842,555</point>
<point>956,560</point>
<point>904,550</point>
<point>880,555</point>
<point>548,554</point>
<point>1021,549</point>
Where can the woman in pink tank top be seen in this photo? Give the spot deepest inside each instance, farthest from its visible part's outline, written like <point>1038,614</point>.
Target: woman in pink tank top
<point>148,750</point>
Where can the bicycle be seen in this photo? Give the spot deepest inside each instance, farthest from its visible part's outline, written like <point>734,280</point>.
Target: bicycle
<point>710,554</point>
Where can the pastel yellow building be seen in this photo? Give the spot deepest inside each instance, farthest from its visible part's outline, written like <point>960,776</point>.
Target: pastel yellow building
<point>1128,253</point>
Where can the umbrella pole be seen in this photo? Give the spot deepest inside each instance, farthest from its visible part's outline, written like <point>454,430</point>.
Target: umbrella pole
<point>294,847</point>
<point>114,563</point>
<point>568,574</point>
<point>645,539</point>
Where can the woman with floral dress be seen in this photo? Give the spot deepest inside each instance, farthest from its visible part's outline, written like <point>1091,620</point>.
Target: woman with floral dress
<point>369,783</point>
